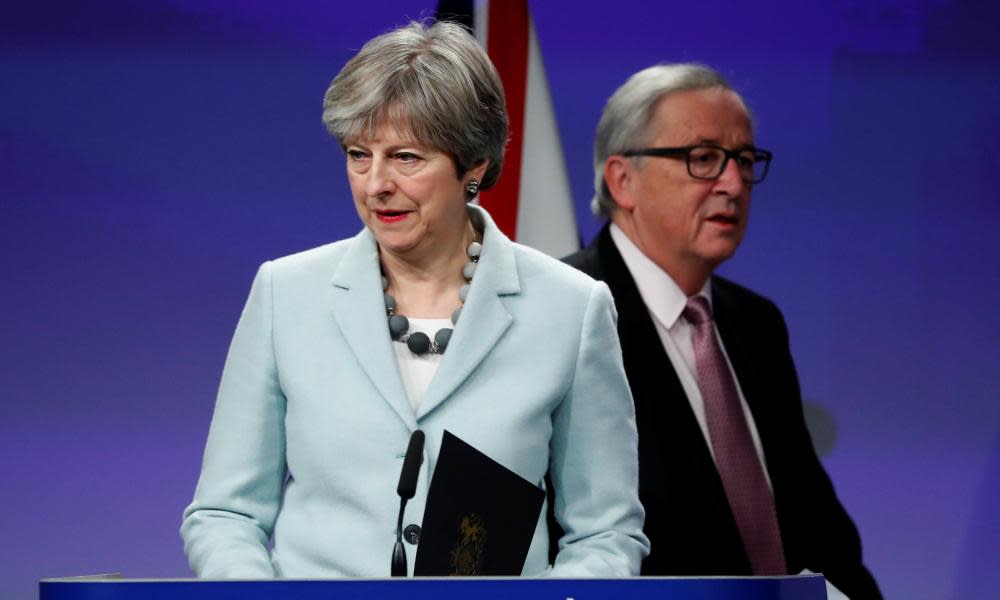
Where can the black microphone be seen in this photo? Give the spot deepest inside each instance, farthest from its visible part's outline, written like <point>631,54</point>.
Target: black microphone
<point>406,489</point>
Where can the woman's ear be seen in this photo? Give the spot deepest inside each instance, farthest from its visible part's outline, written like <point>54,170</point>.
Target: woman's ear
<point>477,171</point>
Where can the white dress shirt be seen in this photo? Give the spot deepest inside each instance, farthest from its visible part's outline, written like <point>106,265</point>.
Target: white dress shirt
<point>666,301</point>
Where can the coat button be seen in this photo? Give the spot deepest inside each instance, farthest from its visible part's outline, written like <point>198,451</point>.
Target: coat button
<point>412,534</point>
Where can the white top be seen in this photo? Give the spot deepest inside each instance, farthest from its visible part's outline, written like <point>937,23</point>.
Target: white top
<point>666,301</point>
<point>418,370</point>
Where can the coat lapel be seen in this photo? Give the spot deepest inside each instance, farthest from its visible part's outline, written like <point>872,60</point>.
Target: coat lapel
<point>667,424</point>
<point>357,304</point>
<point>484,317</point>
<point>641,345</point>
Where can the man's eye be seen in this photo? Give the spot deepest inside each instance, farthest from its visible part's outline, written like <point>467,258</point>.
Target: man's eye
<point>705,156</point>
<point>746,160</point>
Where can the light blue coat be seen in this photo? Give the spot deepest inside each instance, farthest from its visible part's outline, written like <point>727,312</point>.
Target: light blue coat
<point>312,418</point>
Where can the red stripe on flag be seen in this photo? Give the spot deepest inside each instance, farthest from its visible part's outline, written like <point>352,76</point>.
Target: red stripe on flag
<point>507,45</point>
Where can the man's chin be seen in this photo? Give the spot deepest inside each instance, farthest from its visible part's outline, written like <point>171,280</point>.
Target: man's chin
<point>719,253</point>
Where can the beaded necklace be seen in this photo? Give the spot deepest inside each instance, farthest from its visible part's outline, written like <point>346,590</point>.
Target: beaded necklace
<point>418,342</point>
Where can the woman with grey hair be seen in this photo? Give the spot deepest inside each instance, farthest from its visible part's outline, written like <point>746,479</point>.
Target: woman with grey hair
<point>429,319</point>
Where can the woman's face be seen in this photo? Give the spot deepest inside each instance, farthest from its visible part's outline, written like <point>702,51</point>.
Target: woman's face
<point>406,193</point>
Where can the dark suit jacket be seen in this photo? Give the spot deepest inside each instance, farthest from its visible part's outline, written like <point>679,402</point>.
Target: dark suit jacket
<point>688,521</point>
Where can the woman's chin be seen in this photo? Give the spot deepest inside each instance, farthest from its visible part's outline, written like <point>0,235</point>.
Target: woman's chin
<point>396,243</point>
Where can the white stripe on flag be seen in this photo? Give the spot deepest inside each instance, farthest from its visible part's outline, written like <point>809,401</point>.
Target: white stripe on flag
<point>545,217</point>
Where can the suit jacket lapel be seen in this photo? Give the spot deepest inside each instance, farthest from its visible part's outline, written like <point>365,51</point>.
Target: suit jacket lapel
<point>662,405</point>
<point>641,345</point>
<point>357,305</point>
<point>484,317</point>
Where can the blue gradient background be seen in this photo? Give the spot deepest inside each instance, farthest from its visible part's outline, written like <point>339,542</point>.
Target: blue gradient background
<point>153,153</point>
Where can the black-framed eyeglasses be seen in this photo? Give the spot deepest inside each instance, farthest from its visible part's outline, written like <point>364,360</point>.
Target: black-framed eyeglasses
<point>706,161</point>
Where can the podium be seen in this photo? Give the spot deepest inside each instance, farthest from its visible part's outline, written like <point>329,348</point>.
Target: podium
<point>802,587</point>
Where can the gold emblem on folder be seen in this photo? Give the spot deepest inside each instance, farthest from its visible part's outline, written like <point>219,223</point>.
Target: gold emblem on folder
<point>468,554</point>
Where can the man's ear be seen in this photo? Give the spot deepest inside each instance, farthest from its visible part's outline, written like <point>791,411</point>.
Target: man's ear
<point>619,176</point>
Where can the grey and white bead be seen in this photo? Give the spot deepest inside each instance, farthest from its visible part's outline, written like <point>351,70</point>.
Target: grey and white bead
<point>475,249</point>
<point>418,343</point>
<point>441,338</point>
<point>469,270</point>
<point>398,326</point>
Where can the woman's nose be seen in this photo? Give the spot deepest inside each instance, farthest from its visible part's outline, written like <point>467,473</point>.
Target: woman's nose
<point>380,181</point>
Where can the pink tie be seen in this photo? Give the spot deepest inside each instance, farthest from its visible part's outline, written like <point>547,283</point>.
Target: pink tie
<point>735,457</point>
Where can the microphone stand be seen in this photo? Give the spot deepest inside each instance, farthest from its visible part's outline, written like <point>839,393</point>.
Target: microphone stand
<point>399,551</point>
<point>406,489</point>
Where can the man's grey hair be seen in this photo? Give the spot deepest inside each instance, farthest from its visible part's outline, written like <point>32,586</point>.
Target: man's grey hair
<point>624,124</point>
<point>434,82</point>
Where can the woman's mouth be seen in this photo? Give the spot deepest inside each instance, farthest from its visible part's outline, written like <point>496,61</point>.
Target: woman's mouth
<point>391,216</point>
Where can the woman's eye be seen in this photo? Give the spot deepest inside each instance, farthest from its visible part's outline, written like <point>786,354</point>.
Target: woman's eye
<point>407,157</point>
<point>355,154</point>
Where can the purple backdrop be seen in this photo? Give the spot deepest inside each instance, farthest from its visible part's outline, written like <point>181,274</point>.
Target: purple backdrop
<point>154,153</point>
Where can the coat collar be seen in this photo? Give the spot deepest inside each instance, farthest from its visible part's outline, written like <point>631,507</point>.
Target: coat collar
<point>358,310</point>
<point>484,317</point>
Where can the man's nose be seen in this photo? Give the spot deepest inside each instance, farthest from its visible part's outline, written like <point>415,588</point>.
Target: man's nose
<point>731,181</point>
<point>380,181</point>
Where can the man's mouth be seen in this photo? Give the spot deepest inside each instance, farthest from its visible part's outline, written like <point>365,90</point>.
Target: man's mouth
<point>724,219</point>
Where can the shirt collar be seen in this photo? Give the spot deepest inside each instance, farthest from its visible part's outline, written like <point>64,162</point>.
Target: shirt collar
<point>660,293</point>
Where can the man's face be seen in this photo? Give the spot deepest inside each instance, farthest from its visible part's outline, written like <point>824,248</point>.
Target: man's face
<point>680,222</point>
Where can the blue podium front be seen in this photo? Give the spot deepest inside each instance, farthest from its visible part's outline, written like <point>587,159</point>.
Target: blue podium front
<point>807,587</point>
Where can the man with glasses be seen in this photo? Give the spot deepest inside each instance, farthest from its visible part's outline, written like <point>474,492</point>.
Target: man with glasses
<point>727,471</point>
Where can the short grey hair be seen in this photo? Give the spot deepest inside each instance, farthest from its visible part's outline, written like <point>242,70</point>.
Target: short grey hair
<point>434,80</point>
<point>624,124</point>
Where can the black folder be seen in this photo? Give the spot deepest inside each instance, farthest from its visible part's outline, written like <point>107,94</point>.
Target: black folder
<point>480,516</point>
